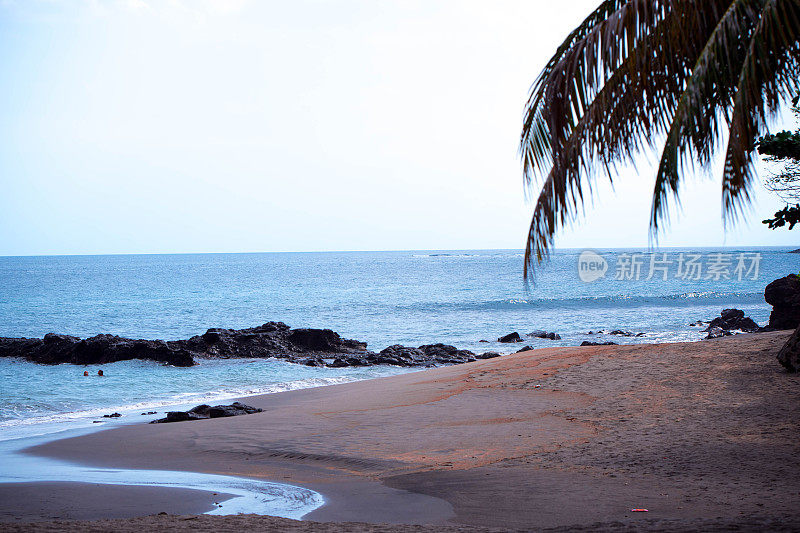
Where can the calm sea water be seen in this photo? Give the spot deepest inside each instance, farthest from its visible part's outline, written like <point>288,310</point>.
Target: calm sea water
<point>382,298</point>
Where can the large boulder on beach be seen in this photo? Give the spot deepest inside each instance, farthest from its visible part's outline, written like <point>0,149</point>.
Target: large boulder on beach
<point>204,412</point>
<point>235,409</point>
<point>784,296</point>
<point>789,355</point>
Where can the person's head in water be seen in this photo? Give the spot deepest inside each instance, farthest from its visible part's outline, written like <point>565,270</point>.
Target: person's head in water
<point>99,372</point>
<point>85,372</point>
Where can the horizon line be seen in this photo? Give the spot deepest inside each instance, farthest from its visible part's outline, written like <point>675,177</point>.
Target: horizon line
<point>519,250</point>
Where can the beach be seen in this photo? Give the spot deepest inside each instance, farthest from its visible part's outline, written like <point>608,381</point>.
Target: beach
<point>697,433</point>
<point>399,266</point>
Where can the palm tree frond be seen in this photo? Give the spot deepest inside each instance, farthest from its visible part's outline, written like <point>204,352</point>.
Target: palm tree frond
<point>769,75</point>
<point>600,101</point>
<point>637,70</point>
<point>708,94</point>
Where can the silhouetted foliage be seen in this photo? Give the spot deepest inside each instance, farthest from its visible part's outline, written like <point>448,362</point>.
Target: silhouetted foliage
<point>788,215</point>
<point>636,71</point>
<point>784,147</point>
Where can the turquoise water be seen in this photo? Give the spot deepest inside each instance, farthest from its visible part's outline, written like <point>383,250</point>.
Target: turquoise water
<point>38,400</point>
<point>382,298</point>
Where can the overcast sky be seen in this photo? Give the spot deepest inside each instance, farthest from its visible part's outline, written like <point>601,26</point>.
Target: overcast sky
<point>232,126</point>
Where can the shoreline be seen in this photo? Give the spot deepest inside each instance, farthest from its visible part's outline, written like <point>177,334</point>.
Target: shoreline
<point>519,441</point>
<point>66,500</point>
<point>93,419</point>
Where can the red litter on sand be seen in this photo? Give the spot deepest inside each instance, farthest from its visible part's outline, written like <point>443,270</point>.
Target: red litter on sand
<point>639,510</point>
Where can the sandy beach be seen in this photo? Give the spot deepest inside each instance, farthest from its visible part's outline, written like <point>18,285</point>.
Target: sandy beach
<point>701,434</point>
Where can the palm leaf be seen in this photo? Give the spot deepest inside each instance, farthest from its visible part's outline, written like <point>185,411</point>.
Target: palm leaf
<point>608,124</point>
<point>708,94</point>
<point>770,74</point>
<point>638,69</point>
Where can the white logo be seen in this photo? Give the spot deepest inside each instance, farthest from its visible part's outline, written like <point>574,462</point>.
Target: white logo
<point>591,266</point>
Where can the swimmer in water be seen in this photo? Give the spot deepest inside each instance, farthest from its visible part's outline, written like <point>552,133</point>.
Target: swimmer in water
<point>100,373</point>
<point>85,372</point>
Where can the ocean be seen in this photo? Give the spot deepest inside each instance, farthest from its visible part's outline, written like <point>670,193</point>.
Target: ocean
<point>383,298</point>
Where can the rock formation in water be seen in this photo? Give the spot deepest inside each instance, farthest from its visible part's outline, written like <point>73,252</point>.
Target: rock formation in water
<point>542,334</point>
<point>100,349</point>
<point>312,347</point>
<point>511,337</point>
<point>730,319</point>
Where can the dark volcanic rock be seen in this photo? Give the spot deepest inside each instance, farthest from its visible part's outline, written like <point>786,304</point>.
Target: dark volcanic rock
<point>446,354</point>
<point>511,337</point>
<point>732,319</point>
<point>235,409</point>
<point>617,332</point>
<point>592,343</point>
<point>203,412</point>
<point>350,360</point>
<point>311,347</point>
<point>716,332</point>
<point>176,416</point>
<point>524,349</point>
<point>621,333</point>
<point>784,296</point>
<point>789,355</point>
<point>400,355</point>
<point>542,334</point>
<point>323,340</point>
<point>426,355</point>
<point>273,339</point>
<point>100,349</point>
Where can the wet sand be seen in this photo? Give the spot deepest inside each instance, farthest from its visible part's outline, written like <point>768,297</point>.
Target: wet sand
<point>698,433</point>
<point>86,501</point>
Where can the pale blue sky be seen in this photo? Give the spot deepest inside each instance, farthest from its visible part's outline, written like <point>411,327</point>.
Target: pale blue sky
<point>209,126</point>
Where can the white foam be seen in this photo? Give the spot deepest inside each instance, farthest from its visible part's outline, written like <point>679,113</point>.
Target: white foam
<point>62,421</point>
<point>251,495</point>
